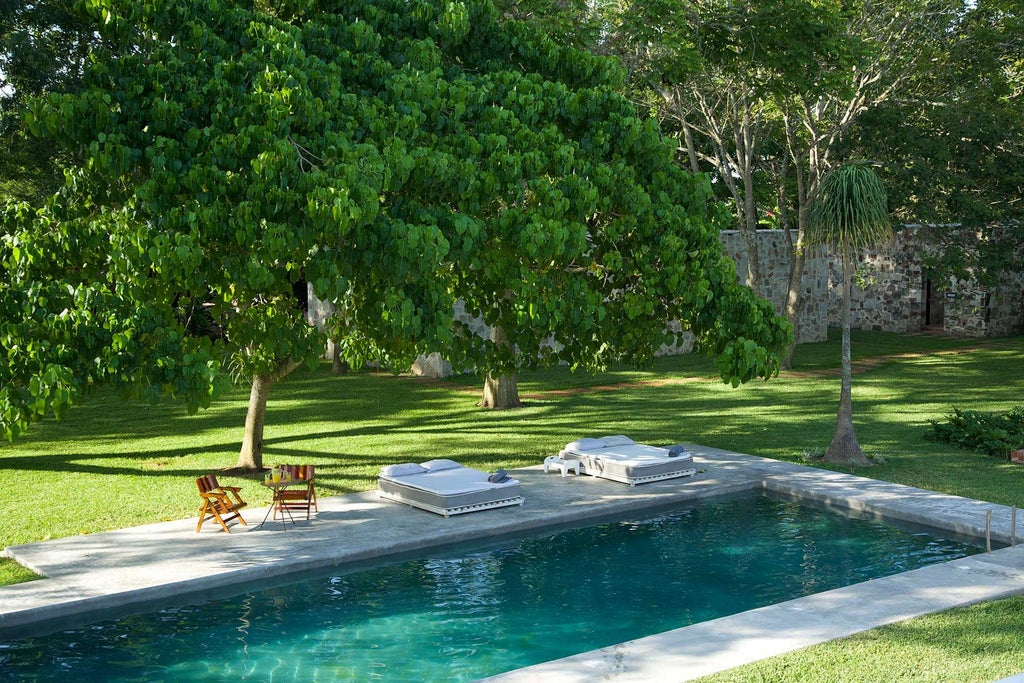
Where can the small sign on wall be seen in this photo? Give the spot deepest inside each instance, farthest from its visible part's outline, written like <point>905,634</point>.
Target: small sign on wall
<point>950,295</point>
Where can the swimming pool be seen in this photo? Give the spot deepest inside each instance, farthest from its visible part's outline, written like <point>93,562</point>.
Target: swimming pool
<point>468,613</point>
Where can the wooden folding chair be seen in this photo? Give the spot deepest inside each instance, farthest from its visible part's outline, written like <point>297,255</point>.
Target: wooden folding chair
<point>300,497</point>
<point>222,503</point>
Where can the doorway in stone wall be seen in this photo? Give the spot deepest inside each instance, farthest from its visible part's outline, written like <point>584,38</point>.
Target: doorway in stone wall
<point>934,307</point>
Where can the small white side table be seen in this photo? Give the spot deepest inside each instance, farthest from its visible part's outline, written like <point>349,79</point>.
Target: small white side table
<point>562,464</point>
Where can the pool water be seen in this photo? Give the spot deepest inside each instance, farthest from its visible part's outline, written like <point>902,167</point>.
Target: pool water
<point>463,615</point>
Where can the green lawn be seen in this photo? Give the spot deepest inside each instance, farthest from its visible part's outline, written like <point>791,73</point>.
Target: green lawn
<point>112,464</point>
<point>976,644</point>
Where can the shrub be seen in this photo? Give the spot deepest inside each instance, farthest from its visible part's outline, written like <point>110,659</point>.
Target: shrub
<point>992,433</point>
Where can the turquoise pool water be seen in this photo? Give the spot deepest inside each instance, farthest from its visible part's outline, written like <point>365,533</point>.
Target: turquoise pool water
<point>462,615</point>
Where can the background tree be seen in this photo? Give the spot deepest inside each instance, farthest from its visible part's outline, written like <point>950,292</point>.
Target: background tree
<point>956,149</point>
<point>767,93</point>
<point>394,156</point>
<point>885,45</point>
<point>43,48</point>
<point>572,23</point>
<point>849,213</point>
<point>719,71</point>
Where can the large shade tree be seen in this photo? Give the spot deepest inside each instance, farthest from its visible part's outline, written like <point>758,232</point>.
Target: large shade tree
<point>396,157</point>
<point>849,213</point>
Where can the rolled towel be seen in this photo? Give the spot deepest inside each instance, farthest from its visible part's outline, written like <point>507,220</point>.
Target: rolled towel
<point>498,477</point>
<point>676,451</point>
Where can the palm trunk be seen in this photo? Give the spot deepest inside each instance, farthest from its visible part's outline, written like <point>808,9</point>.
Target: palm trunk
<point>845,449</point>
<point>250,457</point>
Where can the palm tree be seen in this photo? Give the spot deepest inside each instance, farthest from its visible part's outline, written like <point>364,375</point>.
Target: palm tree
<point>849,213</point>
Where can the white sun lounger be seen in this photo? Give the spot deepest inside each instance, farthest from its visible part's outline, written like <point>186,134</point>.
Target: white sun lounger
<point>445,487</point>
<point>619,458</point>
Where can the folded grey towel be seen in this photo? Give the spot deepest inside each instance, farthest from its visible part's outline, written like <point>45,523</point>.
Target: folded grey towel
<point>498,477</point>
<point>676,451</point>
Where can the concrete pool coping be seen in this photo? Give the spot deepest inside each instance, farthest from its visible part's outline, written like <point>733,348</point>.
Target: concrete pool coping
<point>95,576</point>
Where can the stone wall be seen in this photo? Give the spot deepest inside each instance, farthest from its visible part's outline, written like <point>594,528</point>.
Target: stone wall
<point>890,293</point>
<point>775,264</point>
<point>974,312</point>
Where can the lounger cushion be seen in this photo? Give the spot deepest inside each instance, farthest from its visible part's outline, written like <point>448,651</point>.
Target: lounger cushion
<point>585,445</point>
<point>402,470</point>
<point>617,440</point>
<point>439,464</point>
<point>453,481</point>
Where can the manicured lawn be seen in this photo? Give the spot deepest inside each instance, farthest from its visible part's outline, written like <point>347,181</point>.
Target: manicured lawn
<point>976,644</point>
<point>144,457</point>
<point>111,464</point>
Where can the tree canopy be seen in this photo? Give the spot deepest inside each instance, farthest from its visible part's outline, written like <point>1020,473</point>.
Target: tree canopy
<point>954,154</point>
<point>770,96</point>
<point>43,48</point>
<point>397,157</point>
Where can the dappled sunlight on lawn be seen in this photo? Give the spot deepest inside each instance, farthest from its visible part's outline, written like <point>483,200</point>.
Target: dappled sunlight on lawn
<point>350,425</point>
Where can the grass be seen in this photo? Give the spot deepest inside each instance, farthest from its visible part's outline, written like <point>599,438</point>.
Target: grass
<point>62,477</point>
<point>147,457</point>
<point>974,644</point>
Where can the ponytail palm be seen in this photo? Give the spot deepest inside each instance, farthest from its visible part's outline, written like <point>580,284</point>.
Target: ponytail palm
<point>848,214</point>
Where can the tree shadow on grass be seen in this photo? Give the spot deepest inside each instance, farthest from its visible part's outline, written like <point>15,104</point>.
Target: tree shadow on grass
<point>338,421</point>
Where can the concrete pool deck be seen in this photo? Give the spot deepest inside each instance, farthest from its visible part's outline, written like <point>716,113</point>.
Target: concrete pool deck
<point>96,576</point>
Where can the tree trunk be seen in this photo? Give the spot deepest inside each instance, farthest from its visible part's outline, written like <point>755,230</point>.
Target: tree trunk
<point>745,150</point>
<point>338,366</point>
<point>749,230</point>
<point>250,457</point>
<point>691,148</point>
<point>794,291</point>
<point>794,301</point>
<point>500,392</point>
<point>845,449</point>
<point>797,255</point>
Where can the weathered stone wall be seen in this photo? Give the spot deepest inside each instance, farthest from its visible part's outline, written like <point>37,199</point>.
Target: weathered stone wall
<point>775,264</point>
<point>890,294</point>
<point>974,312</point>
<point>1005,314</point>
